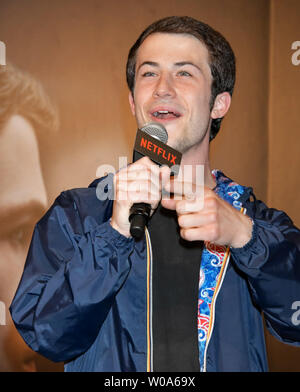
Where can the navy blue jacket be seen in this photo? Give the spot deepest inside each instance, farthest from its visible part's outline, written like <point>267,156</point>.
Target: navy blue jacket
<point>85,294</point>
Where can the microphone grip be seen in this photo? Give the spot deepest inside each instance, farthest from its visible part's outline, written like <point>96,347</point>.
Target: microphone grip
<point>138,217</point>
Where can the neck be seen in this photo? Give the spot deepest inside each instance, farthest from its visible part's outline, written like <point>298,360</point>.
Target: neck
<point>196,156</point>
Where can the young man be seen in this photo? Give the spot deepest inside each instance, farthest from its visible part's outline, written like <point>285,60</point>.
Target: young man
<point>189,295</point>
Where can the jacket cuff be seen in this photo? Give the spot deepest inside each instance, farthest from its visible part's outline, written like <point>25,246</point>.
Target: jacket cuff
<point>106,231</point>
<point>253,254</point>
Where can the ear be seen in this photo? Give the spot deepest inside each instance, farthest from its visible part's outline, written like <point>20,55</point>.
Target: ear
<point>221,105</point>
<point>131,103</point>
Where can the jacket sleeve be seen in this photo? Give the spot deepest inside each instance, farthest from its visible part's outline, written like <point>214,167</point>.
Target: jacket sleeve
<point>271,261</point>
<point>69,282</point>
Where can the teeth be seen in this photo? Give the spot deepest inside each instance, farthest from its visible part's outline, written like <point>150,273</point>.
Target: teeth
<point>156,114</point>
<point>160,112</point>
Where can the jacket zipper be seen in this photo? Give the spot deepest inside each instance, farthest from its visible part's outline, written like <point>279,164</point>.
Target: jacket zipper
<point>149,304</point>
<point>212,312</point>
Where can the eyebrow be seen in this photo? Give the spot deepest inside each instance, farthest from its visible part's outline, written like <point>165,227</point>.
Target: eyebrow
<point>182,63</point>
<point>20,215</point>
<point>177,64</point>
<point>153,63</point>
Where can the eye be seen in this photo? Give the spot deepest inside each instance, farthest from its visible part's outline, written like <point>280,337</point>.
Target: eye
<point>184,73</point>
<point>148,73</point>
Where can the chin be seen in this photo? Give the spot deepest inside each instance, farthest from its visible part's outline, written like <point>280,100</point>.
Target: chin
<point>178,145</point>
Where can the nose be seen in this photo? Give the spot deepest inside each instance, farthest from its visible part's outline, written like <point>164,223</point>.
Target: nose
<point>164,87</point>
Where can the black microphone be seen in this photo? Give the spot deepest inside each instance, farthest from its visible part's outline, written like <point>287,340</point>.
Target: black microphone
<point>151,141</point>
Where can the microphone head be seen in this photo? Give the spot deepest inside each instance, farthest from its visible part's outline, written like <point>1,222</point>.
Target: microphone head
<point>156,130</point>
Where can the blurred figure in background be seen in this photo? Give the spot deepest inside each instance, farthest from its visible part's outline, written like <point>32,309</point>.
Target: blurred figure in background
<point>26,113</point>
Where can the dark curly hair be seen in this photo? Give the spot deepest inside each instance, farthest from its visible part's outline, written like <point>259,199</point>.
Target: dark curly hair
<point>221,56</point>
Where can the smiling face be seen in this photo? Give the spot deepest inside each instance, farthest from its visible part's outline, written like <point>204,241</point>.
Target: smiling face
<point>173,87</point>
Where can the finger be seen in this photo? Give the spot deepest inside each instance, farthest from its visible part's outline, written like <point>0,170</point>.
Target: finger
<point>143,197</point>
<point>138,197</point>
<point>138,186</point>
<point>187,206</point>
<point>182,206</point>
<point>145,162</point>
<point>203,233</point>
<point>165,174</point>
<point>184,188</point>
<point>137,166</point>
<point>131,191</point>
<point>141,173</point>
<point>186,221</point>
<point>168,203</point>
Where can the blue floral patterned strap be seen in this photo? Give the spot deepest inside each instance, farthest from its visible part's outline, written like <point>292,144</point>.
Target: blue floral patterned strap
<point>213,267</point>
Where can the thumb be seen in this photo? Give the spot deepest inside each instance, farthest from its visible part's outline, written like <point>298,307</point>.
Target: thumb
<point>167,200</point>
<point>168,203</point>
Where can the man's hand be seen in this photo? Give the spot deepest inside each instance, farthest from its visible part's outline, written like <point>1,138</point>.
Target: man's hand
<point>139,182</point>
<point>202,215</point>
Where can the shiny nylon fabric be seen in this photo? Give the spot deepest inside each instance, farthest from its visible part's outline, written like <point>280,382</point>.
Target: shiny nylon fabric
<point>68,303</point>
<point>82,296</point>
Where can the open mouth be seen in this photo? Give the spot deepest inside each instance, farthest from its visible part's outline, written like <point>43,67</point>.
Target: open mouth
<point>165,114</point>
